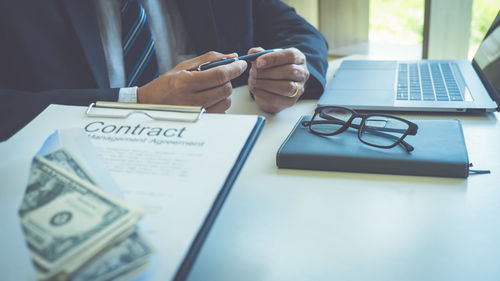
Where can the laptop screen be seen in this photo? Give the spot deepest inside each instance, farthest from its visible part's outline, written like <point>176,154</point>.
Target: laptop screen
<point>487,60</point>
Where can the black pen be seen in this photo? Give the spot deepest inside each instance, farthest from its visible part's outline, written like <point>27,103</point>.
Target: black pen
<point>248,58</point>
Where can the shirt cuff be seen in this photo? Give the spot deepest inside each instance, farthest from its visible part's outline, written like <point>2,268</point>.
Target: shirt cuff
<point>128,95</point>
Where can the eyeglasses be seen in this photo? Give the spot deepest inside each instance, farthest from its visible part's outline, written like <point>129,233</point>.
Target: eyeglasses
<point>379,130</point>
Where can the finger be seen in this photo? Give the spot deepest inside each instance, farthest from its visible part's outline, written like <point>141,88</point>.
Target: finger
<point>292,72</point>
<point>210,97</point>
<point>255,50</point>
<point>278,87</point>
<point>209,56</point>
<point>220,107</point>
<point>214,77</point>
<point>270,102</point>
<point>281,57</point>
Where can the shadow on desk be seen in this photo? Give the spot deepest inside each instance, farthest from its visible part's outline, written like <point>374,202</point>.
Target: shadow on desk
<point>451,184</point>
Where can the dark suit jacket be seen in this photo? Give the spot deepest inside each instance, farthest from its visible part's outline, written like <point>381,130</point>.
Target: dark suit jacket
<point>51,50</point>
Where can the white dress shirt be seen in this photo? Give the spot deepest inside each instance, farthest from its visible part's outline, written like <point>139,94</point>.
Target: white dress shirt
<point>168,31</point>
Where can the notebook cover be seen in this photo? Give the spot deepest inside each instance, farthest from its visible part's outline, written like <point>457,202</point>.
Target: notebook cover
<point>439,151</point>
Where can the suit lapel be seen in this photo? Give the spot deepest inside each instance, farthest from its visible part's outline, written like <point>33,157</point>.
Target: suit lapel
<point>199,21</point>
<point>83,16</point>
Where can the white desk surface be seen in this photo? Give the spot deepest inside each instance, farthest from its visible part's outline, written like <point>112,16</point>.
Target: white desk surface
<point>282,224</point>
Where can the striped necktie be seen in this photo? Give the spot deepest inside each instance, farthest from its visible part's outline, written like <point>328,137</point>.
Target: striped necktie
<point>138,45</point>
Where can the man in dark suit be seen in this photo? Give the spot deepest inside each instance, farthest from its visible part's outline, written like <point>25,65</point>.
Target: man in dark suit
<point>64,52</point>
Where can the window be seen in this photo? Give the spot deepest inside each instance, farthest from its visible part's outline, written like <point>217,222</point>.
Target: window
<point>483,14</point>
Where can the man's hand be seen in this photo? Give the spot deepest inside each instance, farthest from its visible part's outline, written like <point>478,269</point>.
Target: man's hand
<point>180,86</point>
<point>277,79</point>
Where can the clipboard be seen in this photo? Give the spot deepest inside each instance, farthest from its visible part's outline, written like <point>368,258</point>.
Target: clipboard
<point>109,109</point>
<point>194,118</point>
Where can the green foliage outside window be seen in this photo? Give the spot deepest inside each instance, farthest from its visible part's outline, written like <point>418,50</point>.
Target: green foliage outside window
<point>401,21</point>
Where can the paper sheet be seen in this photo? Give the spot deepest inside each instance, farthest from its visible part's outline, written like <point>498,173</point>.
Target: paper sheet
<point>174,170</point>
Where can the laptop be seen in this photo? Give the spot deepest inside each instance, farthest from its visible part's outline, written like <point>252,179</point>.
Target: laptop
<point>423,85</point>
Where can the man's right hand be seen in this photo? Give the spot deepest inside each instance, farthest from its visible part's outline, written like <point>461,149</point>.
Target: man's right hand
<point>209,88</point>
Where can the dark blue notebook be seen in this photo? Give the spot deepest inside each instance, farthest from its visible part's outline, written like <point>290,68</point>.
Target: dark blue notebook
<point>439,151</point>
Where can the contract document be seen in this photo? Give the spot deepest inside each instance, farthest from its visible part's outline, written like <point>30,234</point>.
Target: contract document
<point>179,172</point>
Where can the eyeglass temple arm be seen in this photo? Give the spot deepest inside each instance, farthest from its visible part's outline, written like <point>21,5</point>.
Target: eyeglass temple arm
<point>356,126</point>
<point>377,131</point>
<point>332,120</point>
<point>412,130</point>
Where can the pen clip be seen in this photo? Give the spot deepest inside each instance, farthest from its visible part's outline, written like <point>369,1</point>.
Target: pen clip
<point>200,67</point>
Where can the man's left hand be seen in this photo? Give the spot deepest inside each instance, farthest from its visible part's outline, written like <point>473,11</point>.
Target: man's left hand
<point>277,79</point>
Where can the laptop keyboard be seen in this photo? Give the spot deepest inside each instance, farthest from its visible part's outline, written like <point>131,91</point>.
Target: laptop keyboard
<point>427,81</point>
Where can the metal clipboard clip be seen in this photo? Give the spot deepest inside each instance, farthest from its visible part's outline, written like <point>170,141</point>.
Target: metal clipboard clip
<point>154,111</point>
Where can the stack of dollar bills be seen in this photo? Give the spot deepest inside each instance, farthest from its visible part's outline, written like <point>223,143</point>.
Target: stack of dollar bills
<point>74,229</point>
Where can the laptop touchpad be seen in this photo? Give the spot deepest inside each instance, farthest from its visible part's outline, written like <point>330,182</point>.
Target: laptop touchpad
<point>379,79</point>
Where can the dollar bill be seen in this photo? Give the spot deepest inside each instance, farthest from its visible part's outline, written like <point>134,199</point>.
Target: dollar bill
<point>67,220</point>
<point>71,266</point>
<point>120,259</point>
<point>65,160</point>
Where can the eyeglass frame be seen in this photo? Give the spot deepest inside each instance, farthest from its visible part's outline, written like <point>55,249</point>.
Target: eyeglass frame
<point>412,127</point>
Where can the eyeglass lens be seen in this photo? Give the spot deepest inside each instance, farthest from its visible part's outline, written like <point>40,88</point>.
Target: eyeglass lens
<point>330,120</point>
<point>382,130</point>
